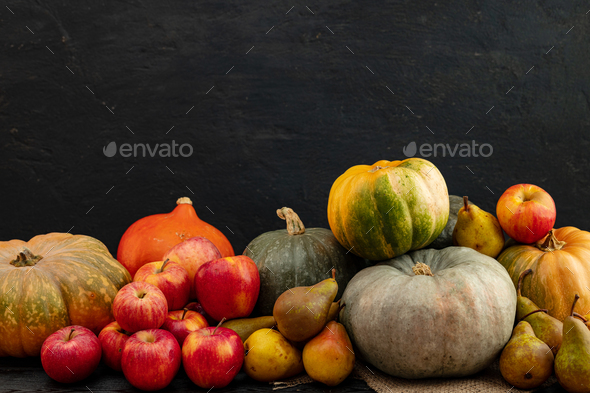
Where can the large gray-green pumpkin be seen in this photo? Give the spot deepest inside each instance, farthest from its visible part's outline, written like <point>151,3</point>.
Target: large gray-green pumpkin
<point>298,257</point>
<point>413,325</point>
<point>445,239</point>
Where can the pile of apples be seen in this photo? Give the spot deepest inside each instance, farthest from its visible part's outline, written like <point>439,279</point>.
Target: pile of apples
<point>156,329</point>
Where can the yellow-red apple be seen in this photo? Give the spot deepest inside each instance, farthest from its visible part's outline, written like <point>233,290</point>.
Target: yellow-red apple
<point>151,358</point>
<point>183,322</point>
<point>191,254</point>
<point>228,287</point>
<point>139,306</point>
<point>70,354</point>
<point>112,339</point>
<point>212,356</point>
<point>526,212</point>
<point>172,279</point>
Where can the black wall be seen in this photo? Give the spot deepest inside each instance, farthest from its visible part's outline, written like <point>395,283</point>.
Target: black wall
<point>292,114</point>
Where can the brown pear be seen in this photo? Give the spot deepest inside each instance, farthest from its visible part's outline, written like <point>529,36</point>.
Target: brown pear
<point>547,329</point>
<point>526,362</point>
<point>328,357</point>
<point>302,312</point>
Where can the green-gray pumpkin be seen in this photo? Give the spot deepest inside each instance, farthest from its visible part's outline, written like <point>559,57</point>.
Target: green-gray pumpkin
<point>431,313</point>
<point>298,257</point>
<point>445,239</point>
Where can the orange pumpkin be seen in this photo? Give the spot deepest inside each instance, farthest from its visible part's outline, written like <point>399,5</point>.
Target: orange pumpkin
<point>150,237</point>
<point>561,267</point>
<point>53,281</point>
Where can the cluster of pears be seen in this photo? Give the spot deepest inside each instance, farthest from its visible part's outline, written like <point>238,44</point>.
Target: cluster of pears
<point>541,344</point>
<point>307,338</point>
<point>478,229</point>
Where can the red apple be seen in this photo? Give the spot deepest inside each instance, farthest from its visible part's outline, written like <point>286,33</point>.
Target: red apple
<point>112,339</point>
<point>228,287</point>
<point>191,254</point>
<point>212,356</point>
<point>182,322</point>
<point>70,354</point>
<point>526,212</point>
<point>151,359</point>
<point>171,278</point>
<point>139,306</point>
<point>196,306</point>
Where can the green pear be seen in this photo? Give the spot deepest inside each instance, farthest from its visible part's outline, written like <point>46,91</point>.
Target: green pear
<point>479,230</point>
<point>547,329</point>
<point>246,326</point>
<point>572,364</point>
<point>526,362</point>
<point>302,312</point>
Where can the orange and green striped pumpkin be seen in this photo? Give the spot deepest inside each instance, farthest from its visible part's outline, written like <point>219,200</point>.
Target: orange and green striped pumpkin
<point>52,281</point>
<point>384,210</point>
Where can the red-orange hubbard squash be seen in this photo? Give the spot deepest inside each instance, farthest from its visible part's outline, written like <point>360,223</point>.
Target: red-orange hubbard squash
<point>148,239</point>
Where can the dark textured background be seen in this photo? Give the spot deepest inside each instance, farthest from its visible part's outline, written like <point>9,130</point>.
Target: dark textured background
<point>291,115</point>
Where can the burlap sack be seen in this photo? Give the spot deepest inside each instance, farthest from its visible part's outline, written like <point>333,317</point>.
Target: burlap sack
<point>487,381</point>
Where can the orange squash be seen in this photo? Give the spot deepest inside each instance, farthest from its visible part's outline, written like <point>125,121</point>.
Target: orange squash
<point>53,281</point>
<point>148,239</point>
<point>561,267</point>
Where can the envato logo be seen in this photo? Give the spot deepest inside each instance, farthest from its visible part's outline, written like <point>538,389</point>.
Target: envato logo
<point>143,149</point>
<point>442,150</point>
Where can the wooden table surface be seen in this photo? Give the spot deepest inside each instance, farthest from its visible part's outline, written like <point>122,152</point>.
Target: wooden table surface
<point>27,375</point>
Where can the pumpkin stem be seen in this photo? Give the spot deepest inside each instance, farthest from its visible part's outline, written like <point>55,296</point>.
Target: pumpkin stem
<point>294,224</point>
<point>550,243</point>
<point>375,169</point>
<point>536,311</point>
<point>422,269</point>
<point>25,258</point>
<point>466,203</point>
<point>521,279</point>
<point>184,313</point>
<point>218,325</point>
<point>574,305</point>
<point>163,264</point>
<point>184,201</point>
<point>581,317</point>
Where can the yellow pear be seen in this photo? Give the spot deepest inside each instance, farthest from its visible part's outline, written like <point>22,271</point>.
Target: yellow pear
<point>479,230</point>
<point>270,356</point>
<point>328,357</point>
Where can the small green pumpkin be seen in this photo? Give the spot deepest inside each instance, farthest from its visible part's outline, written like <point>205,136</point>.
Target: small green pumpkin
<point>298,257</point>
